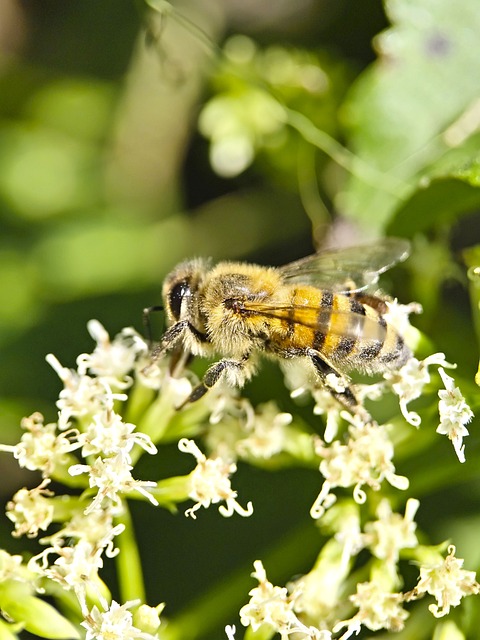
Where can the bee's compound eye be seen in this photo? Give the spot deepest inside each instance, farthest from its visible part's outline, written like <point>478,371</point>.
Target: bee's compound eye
<point>177,294</point>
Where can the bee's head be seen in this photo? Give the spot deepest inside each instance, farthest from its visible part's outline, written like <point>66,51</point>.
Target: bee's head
<point>180,290</point>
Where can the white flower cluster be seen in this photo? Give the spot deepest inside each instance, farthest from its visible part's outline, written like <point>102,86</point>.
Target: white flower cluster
<point>93,448</point>
<point>89,426</point>
<point>310,607</point>
<point>117,405</point>
<point>365,460</point>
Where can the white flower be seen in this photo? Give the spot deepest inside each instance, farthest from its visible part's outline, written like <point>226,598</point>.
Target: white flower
<point>210,483</point>
<point>391,533</point>
<point>76,567</point>
<point>42,448</point>
<point>95,528</point>
<point>447,582</point>
<point>366,459</point>
<point>454,414</point>
<point>224,402</point>
<point>31,510</point>
<point>377,609</point>
<point>10,567</point>
<point>147,618</point>
<point>82,395</point>
<point>408,382</point>
<point>112,360</point>
<point>112,476</point>
<point>156,375</point>
<point>116,623</point>
<point>325,404</point>
<point>273,606</point>
<point>267,432</point>
<point>107,434</point>
<point>398,315</point>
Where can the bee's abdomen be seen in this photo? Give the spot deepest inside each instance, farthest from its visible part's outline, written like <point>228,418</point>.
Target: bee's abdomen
<point>351,333</point>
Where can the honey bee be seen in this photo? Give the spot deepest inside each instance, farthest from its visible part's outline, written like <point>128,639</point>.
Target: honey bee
<point>318,308</point>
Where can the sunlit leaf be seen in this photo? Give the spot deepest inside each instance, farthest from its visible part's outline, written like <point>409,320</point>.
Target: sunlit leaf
<point>34,614</point>
<point>416,103</point>
<point>441,202</point>
<point>9,631</point>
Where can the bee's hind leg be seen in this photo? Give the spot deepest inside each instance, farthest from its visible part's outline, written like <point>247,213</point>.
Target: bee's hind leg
<point>337,385</point>
<point>234,370</point>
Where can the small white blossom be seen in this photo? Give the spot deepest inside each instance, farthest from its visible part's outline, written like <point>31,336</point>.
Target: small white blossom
<point>107,434</point>
<point>82,395</point>
<point>366,459</point>
<point>224,402</point>
<point>408,382</point>
<point>147,618</point>
<point>454,414</point>
<point>447,582</point>
<point>10,567</point>
<point>112,360</point>
<point>116,623</point>
<point>267,432</point>
<point>398,315</point>
<point>325,404</point>
<point>156,375</point>
<point>273,606</point>
<point>377,609</point>
<point>210,483</point>
<point>391,533</point>
<point>41,448</point>
<point>95,528</point>
<point>112,477</point>
<point>76,567</point>
<point>31,510</point>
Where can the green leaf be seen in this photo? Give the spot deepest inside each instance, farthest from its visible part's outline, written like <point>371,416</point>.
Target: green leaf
<point>9,631</point>
<point>416,104</point>
<point>441,202</point>
<point>37,616</point>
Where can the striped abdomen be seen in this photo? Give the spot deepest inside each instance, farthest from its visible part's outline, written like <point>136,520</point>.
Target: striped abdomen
<point>344,329</point>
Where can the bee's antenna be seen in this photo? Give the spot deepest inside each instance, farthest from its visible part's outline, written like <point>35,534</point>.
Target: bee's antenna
<point>146,321</point>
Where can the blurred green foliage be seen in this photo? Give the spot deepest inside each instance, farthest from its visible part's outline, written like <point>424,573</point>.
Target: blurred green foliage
<point>132,137</point>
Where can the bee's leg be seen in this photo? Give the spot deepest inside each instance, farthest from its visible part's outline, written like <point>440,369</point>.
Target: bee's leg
<point>170,339</point>
<point>371,301</point>
<point>342,391</point>
<point>174,336</point>
<point>234,370</point>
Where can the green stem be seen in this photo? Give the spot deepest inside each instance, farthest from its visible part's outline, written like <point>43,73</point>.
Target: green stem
<point>343,157</point>
<point>154,422</point>
<point>128,562</point>
<point>139,399</point>
<point>308,189</point>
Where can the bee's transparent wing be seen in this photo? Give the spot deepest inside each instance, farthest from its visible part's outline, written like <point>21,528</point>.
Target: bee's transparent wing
<point>344,324</point>
<point>348,269</point>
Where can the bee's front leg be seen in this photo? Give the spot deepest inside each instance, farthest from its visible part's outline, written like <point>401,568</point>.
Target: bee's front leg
<point>175,336</point>
<point>236,372</point>
<point>170,339</point>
